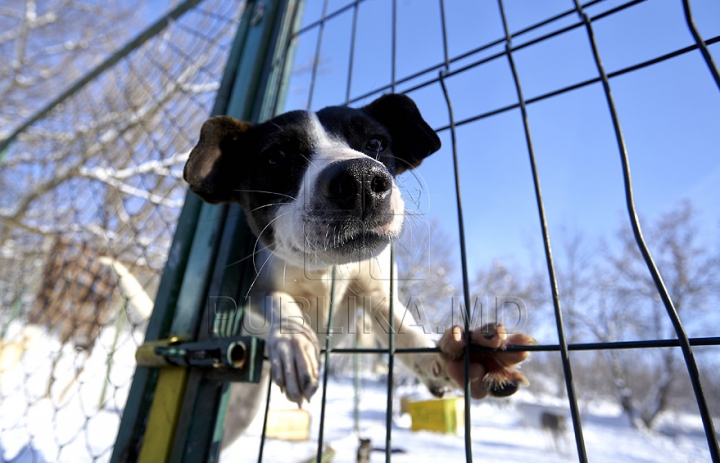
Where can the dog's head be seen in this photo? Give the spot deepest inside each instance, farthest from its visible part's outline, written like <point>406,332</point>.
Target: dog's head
<point>317,188</point>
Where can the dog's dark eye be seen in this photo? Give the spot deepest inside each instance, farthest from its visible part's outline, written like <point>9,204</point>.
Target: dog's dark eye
<point>275,157</point>
<point>376,144</point>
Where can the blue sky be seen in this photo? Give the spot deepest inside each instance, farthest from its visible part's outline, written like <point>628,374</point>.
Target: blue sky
<point>670,113</point>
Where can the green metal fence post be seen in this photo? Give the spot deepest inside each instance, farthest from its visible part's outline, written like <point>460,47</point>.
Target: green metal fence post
<point>251,87</point>
<point>263,65</point>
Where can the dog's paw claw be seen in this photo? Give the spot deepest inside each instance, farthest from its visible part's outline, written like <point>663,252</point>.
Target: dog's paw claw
<point>306,381</point>
<point>504,390</point>
<point>504,383</point>
<point>494,332</point>
<point>293,360</point>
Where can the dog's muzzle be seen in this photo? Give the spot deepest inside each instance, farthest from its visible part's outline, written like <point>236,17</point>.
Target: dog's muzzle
<point>352,214</point>
<point>358,188</point>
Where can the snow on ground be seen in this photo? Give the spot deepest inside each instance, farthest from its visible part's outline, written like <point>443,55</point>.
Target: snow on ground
<point>498,434</point>
<point>70,425</point>
<point>75,429</point>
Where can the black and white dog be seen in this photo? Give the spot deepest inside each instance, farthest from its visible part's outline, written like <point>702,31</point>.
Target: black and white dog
<point>319,192</point>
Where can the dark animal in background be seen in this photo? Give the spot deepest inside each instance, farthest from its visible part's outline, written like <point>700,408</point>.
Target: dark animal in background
<point>363,451</point>
<point>554,424</point>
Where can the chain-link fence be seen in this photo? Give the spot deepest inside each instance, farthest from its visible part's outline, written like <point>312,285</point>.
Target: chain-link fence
<point>91,192</point>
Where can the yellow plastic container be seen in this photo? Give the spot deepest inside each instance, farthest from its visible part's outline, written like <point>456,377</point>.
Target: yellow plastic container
<point>438,415</point>
<point>292,425</point>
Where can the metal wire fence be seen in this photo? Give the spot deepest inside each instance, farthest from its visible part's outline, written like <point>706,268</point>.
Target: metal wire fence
<point>346,24</point>
<point>91,193</point>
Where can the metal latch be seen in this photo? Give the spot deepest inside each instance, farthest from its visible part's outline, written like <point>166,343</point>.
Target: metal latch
<point>236,358</point>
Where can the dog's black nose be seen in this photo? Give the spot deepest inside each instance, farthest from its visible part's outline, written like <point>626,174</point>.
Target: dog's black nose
<point>356,185</point>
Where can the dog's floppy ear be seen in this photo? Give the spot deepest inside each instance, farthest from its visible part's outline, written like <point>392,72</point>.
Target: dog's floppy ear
<point>214,164</point>
<point>412,138</point>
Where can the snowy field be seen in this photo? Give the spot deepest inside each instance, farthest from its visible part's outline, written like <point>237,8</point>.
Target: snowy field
<point>502,431</point>
<point>71,425</point>
<point>76,429</point>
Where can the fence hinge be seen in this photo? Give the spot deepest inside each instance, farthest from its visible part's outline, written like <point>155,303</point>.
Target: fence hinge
<point>236,358</point>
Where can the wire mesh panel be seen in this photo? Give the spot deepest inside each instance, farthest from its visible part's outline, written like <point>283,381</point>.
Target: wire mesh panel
<point>91,192</point>
<point>535,107</point>
<point>523,98</point>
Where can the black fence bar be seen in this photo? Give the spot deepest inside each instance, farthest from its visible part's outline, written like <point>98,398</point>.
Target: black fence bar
<point>615,345</point>
<point>461,229</point>
<point>466,382</point>
<point>391,362</point>
<point>316,61</point>
<point>488,46</point>
<point>391,295</point>
<point>328,17</point>
<point>569,88</point>
<point>712,67</point>
<point>564,352</point>
<point>351,58</point>
<point>434,79</point>
<point>688,355</point>
<point>326,370</point>
<point>464,266</point>
<point>261,450</point>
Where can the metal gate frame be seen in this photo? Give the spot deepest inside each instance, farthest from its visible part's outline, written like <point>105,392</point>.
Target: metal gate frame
<point>177,413</point>
<point>197,406</point>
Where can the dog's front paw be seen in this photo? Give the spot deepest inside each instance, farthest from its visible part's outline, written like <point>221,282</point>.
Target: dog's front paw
<point>493,370</point>
<point>294,364</point>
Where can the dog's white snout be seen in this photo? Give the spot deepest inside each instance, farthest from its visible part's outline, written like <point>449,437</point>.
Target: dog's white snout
<point>362,186</point>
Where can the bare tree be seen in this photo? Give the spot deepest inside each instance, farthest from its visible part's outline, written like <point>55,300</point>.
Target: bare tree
<point>507,294</point>
<point>691,271</point>
<point>608,295</point>
<point>427,266</point>
<point>48,45</point>
<point>102,173</point>
<point>106,168</point>
<point>427,276</point>
<point>90,193</point>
